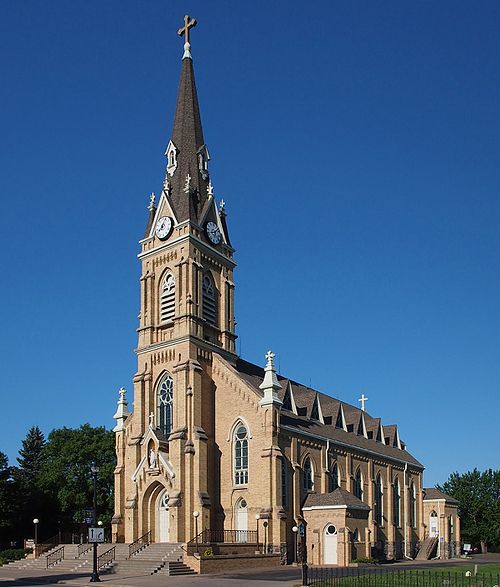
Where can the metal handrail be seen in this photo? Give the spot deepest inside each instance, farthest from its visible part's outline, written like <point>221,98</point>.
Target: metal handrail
<point>55,557</point>
<point>106,557</point>
<point>208,536</point>
<point>83,548</point>
<point>139,544</point>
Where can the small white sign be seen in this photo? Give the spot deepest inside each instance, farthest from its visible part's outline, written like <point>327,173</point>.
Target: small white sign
<point>96,534</point>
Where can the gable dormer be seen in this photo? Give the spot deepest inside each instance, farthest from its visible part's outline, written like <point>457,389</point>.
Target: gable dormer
<point>316,411</point>
<point>362,426</point>
<point>171,154</point>
<point>340,421</point>
<point>203,159</point>
<point>288,400</point>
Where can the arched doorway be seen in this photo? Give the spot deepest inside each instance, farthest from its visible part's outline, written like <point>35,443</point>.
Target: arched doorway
<point>433,525</point>
<point>330,545</point>
<point>163,518</point>
<point>241,520</point>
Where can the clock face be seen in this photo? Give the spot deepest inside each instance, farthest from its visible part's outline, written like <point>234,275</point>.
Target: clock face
<point>164,227</point>
<point>213,233</point>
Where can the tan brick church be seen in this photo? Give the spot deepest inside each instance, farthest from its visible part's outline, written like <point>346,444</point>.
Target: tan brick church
<point>245,448</point>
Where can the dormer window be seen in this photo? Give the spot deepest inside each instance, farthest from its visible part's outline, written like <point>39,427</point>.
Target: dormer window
<point>171,155</point>
<point>203,158</point>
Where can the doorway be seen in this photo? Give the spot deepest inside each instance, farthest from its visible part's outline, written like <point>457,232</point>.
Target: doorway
<point>163,518</point>
<point>241,520</point>
<point>330,545</point>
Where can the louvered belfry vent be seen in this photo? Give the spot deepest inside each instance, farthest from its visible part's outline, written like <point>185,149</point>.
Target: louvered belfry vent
<point>167,311</point>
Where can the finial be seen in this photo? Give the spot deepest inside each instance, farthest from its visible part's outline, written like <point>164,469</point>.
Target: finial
<point>184,32</point>
<point>270,385</point>
<point>362,399</point>
<point>122,391</point>
<point>122,411</point>
<point>166,186</point>
<point>222,207</point>
<point>151,419</point>
<point>210,190</point>
<point>151,201</point>
<point>269,358</point>
<point>187,187</point>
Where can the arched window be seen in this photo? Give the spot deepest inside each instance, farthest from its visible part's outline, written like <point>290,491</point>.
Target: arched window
<point>379,500</point>
<point>307,476</point>
<point>240,441</point>
<point>355,535</point>
<point>164,405</point>
<point>413,506</point>
<point>396,503</point>
<point>358,484</point>
<point>167,303</point>
<point>333,478</point>
<point>209,300</point>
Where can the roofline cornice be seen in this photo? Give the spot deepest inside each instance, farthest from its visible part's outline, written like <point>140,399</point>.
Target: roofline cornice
<point>350,446</point>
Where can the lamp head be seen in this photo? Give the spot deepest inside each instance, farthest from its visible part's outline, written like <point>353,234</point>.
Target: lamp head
<point>99,523</point>
<point>257,516</point>
<point>196,514</point>
<point>295,529</point>
<point>36,521</point>
<point>94,469</point>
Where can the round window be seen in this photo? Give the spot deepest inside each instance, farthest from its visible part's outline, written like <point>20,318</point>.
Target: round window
<point>243,504</point>
<point>331,529</point>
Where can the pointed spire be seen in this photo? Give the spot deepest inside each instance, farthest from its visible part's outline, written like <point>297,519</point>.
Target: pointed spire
<point>190,155</point>
<point>122,411</point>
<point>270,385</point>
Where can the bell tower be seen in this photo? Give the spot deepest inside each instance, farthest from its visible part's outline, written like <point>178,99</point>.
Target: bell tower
<point>165,448</point>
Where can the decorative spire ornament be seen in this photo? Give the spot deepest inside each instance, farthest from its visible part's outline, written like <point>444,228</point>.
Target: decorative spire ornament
<point>222,207</point>
<point>166,187</point>
<point>210,190</point>
<point>122,411</point>
<point>270,385</point>
<point>184,32</point>
<point>152,198</point>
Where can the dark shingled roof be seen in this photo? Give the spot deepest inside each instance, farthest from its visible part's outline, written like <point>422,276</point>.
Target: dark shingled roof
<point>304,398</point>
<point>434,493</point>
<point>337,497</point>
<point>187,136</point>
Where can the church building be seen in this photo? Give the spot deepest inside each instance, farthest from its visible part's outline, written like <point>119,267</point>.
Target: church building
<point>216,445</point>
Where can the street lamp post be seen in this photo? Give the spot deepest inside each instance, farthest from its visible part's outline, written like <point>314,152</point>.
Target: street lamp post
<point>94,469</point>
<point>257,518</point>
<point>265,524</point>
<point>195,516</point>
<point>295,529</point>
<point>36,521</point>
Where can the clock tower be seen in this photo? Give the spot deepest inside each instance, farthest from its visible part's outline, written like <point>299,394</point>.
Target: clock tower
<point>166,457</point>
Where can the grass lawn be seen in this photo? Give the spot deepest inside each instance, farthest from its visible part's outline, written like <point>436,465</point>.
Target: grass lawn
<point>488,575</point>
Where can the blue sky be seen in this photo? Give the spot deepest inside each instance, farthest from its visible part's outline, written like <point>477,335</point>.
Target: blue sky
<point>356,145</point>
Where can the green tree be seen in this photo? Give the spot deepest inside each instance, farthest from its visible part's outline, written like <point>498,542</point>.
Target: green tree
<point>7,501</point>
<point>66,475</point>
<point>31,457</point>
<point>479,497</point>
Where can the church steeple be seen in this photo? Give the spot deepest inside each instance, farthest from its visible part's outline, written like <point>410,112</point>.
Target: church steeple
<point>187,154</point>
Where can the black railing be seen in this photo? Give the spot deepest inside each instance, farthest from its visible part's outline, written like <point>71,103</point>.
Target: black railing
<point>55,557</point>
<point>83,548</point>
<point>208,536</point>
<point>139,544</point>
<point>376,577</point>
<point>106,557</point>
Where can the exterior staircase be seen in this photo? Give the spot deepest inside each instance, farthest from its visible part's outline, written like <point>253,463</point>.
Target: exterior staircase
<point>162,558</point>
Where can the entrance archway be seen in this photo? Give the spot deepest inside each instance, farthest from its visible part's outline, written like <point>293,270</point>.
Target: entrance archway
<point>163,518</point>
<point>330,545</point>
<point>241,520</point>
<point>433,525</point>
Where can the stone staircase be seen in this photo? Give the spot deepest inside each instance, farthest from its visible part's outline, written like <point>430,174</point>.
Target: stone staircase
<point>162,558</point>
<point>427,550</point>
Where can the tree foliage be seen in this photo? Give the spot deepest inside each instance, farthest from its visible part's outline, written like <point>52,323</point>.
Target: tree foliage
<point>31,458</point>
<point>6,497</point>
<point>66,474</point>
<point>478,494</point>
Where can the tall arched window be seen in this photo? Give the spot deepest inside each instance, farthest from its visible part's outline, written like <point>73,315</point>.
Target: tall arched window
<point>379,500</point>
<point>164,405</point>
<point>307,476</point>
<point>167,302</point>
<point>209,300</point>
<point>396,502</point>
<point>333,478</point>
<point>413,506</point>
<point>358,484</point>
<point>240,442</point>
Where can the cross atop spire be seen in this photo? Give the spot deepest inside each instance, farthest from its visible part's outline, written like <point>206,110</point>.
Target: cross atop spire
<point>362,399</point>
<point>184,32</point>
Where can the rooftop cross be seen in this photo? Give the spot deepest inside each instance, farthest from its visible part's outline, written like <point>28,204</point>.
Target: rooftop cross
<point>188,24</point>
<point>362,399</point>
<point>269,357</point>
